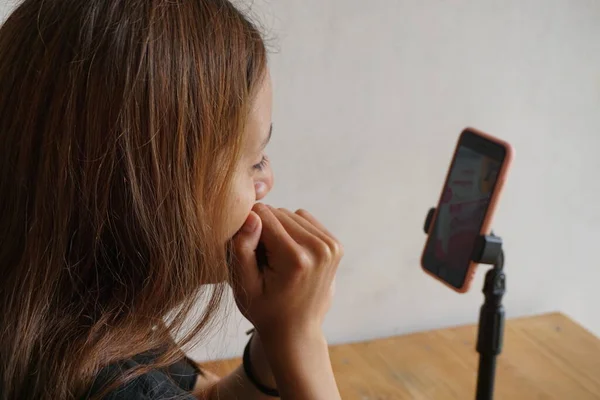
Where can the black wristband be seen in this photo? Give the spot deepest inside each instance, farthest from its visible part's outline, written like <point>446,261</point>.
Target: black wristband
<point>248,370</point>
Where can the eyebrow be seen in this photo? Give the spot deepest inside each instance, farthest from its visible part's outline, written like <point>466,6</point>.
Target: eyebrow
<point>266,142</point>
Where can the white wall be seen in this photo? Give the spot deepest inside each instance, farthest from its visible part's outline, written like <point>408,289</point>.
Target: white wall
<point>369,100</point>
<point>5,8</point>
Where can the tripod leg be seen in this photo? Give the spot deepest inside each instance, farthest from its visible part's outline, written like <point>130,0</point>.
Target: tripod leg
<point>485,382</point>
<point>491,331</point>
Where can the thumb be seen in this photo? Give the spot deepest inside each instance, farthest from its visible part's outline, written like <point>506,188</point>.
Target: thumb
<point>245,243</point>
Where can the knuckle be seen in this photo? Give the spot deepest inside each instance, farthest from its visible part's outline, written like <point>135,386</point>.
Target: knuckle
<point>338,249</point>
<point>302,260</point>
<point>305,214</point>
<point>260,208</point>
<point>323,251</point>
<point>301,212</point>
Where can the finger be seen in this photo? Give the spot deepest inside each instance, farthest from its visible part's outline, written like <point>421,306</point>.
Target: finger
<point>307,225</point>
<point>244,243</point>
<point>332,241</point>
<point>333,284</point>
<point>319,244</point>
<point>274,234</point>
<point>296,230</point>
<point>331,293</point>
<point>310,218</point>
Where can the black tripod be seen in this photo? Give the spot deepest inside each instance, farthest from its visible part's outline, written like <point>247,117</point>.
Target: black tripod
<point>488,250</point>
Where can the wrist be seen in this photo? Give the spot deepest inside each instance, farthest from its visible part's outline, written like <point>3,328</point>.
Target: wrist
<point>262,369</point>
<point>283,350</point>
<point>292,340</point>
<point>301,366</point>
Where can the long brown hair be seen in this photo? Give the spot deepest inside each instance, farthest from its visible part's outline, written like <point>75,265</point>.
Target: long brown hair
<point>120,125</point>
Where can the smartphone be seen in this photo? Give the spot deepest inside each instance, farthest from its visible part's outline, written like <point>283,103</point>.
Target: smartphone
<point>466,206</point>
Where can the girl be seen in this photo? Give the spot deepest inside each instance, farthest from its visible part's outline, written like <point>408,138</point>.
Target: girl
<point>132,155</point>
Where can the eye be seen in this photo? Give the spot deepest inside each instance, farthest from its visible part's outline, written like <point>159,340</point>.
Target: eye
<point>262,164</point>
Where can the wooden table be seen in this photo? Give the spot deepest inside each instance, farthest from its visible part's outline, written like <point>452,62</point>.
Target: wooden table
<point>544,357</point>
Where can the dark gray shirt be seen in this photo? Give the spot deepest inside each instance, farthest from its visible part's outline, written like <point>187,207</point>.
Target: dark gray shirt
<point>174,382</point>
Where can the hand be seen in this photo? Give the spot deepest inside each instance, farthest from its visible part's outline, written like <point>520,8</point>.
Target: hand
<point>289,297</point>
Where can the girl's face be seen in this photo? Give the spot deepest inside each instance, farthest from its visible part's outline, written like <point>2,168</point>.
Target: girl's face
<point>253,178</point>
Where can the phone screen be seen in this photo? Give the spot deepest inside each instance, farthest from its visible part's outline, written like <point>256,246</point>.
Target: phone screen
<point>463,207</point>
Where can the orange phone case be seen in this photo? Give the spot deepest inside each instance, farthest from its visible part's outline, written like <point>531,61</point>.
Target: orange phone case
<point>485,227</point>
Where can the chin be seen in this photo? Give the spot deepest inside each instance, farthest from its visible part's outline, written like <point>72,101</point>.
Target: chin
<point>236,221</point>
<point>233,231</point>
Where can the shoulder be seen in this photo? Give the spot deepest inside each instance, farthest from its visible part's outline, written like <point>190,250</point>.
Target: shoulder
<point>153,385</point>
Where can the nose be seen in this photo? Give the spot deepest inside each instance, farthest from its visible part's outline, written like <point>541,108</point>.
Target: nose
<point>264,185</point>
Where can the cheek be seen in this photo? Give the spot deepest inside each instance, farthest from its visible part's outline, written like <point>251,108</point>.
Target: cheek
<point>239,208</point>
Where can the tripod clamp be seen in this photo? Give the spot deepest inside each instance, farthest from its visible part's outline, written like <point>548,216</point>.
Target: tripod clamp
<point>487,250</point>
